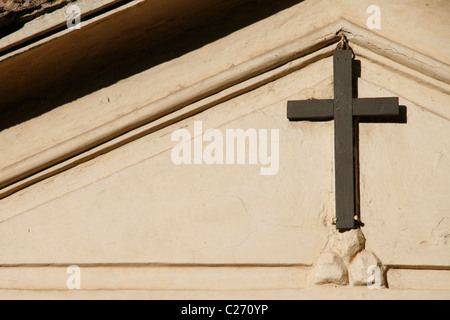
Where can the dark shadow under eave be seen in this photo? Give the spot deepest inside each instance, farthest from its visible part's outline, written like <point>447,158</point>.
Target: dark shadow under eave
<point>124,44</point>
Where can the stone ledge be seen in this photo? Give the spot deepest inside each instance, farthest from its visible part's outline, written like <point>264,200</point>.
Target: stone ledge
<point>156,278</point>
<point>419,279</point>
<point>220,279</point>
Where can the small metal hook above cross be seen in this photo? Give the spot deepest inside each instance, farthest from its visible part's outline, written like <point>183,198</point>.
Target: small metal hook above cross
<point>346,110</point>
<point>343,43</point>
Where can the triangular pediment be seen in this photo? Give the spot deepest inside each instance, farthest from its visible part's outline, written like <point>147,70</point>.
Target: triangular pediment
<point>184,86</point>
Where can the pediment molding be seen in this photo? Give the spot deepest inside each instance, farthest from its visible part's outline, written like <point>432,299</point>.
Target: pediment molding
<point>271,64</point>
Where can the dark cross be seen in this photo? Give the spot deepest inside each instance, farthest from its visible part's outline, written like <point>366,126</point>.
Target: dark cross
<point>346,110</point>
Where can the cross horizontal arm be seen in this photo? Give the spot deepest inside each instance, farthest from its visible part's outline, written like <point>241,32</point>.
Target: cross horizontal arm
<point>310,110</point>
<point>376,107</point>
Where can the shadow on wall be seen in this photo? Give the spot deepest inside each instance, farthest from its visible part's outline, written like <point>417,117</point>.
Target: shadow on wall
<point>129,42</point>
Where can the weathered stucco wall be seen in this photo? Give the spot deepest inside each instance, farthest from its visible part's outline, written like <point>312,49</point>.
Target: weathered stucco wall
<point>147,209</point>
<point>135,206</point>
<point>140,226</point>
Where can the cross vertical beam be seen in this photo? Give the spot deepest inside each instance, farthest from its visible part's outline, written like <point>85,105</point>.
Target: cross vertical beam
<point>344,140</point>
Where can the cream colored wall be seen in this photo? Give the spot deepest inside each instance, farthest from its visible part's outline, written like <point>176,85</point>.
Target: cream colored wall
<point>133,216</point>
<point>139,226</point>
<point>142,208</point>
